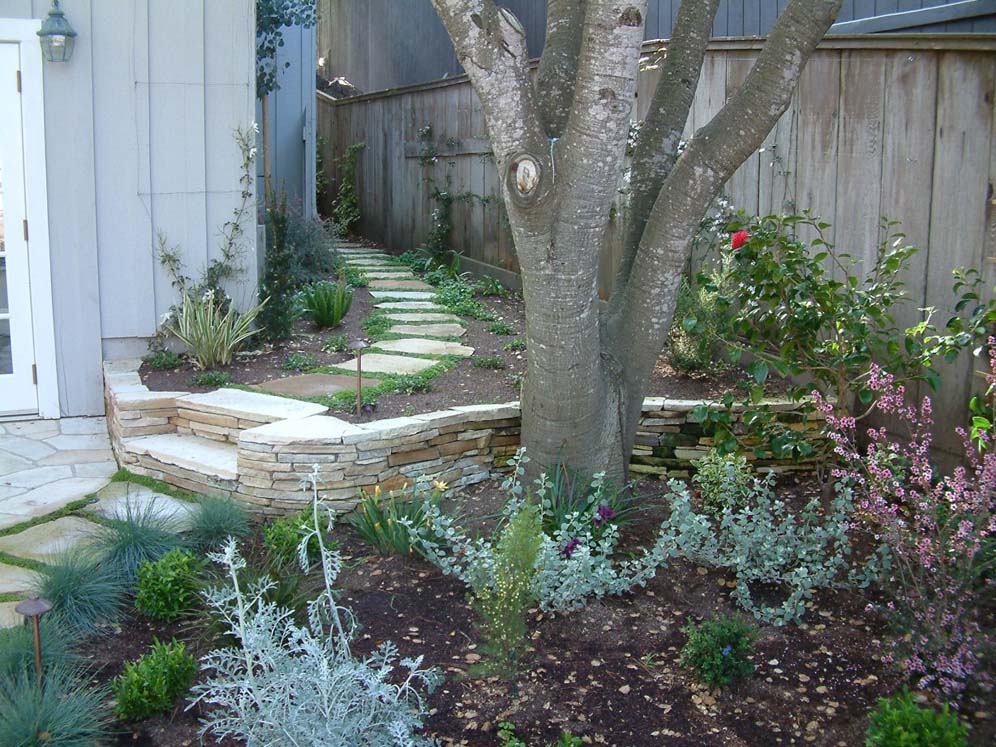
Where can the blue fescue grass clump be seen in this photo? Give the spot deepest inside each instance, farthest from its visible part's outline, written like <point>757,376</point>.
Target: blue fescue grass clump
<point>214,521</point>
<point>134,536</point>
<point>64,713</point>
<point>84,594</point>
<point>17,647</point>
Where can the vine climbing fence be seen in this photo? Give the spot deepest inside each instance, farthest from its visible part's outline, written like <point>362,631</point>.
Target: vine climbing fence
<point>889,125</point>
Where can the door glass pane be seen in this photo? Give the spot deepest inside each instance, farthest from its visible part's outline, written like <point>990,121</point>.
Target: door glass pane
<point>6,361</point>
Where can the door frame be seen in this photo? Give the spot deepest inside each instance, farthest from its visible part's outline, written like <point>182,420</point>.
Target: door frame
<point>24,32</point>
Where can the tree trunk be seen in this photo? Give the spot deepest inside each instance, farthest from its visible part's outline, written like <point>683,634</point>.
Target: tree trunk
<point>560,143</point>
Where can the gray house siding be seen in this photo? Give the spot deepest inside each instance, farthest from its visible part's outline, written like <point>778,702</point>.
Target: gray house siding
<point>292,122</point>
<point>138,140</point>
<point>381,44</point>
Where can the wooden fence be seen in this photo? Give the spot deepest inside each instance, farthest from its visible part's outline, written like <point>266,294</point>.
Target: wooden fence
<point>895,126</point>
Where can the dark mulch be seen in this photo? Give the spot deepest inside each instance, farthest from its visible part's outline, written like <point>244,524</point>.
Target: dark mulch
<point>462,385</point>
<point>609,672</point>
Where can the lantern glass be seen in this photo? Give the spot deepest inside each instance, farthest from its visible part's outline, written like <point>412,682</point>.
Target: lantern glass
<point>58,38</point>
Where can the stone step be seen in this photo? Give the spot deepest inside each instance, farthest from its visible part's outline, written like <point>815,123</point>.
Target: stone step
<point>404,295</point>
<point>421,306</point>
<point>420,346</point>
<point>429,330</point>
<point>375,363</point>
<point>190,462</point>
<point>223,414</point>
<point>403,285</point>
<point>429,317</point>
<point>387,275</point>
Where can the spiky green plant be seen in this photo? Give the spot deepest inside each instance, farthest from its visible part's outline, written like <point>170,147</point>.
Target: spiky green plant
<point>136,534</point>
<point>64,713</point>
<point>17,647</point>
<point>215,520</point>
<point>84,594</point>
<point>327,303</point>
<point>212,333</point>
<point>386,523</point>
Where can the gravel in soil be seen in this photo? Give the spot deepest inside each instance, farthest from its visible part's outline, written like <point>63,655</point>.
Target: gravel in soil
<point>609,672</point>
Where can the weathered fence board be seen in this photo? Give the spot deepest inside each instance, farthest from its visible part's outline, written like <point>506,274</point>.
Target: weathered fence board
<point>900,127</point>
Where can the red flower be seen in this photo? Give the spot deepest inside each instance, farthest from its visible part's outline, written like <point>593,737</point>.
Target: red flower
<point>739,239</point>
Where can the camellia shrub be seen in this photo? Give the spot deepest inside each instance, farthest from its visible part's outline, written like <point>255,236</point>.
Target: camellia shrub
<point>939,529</point>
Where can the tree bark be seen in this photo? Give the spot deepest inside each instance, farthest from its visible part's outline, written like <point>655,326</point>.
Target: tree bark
<point>561,160</point>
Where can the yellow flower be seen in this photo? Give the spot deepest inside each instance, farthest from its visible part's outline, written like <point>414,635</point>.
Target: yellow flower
<point>440,485</point>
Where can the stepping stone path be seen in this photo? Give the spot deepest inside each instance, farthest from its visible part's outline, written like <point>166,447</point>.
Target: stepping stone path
<point>314,385</point>
<point>424,347</point>
<point>434,318</point>
<point>424,306</point>
<point>429,330</point>
<point>404,295</point>
<point>388,364</point>
<point>412,311</point>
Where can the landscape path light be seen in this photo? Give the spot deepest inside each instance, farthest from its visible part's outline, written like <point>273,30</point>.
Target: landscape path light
<point>33,609</point>
<point>358,346</point>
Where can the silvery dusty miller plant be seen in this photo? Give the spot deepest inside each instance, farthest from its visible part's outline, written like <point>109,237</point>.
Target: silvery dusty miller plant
<point>301,686</point>
<point>572,566</point>
<point>765,543</point>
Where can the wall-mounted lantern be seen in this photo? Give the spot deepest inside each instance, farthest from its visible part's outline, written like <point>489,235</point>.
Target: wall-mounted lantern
<point>57,35</point>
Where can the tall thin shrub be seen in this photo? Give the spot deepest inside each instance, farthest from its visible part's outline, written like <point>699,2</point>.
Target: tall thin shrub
<point>938,528</point>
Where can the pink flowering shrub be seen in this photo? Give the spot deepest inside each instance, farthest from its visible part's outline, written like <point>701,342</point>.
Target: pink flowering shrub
<point>937,528</point>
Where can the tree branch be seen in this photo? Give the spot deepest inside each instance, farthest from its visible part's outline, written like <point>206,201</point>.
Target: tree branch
<point>645,312</point>
<point>656,147</point>
<point>558,65</point>
<point>491,45</point>
<point>589,154</point>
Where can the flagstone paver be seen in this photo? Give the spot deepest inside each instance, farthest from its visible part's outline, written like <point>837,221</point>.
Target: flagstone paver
<point>44,542</point>
<point>45,464</point>
<point>427,306</point>
<point>434,317</point>
<point>429,330</point>
<point>424,347</point>
<point>388,275</point>
<point>314,385</point>
<point>114,500</point>
<point>8,615</point>
<point>47,498</point>
<point>14,579</point>
<point>376,363</point>
<point>408,285</point>
<point>404,295</point>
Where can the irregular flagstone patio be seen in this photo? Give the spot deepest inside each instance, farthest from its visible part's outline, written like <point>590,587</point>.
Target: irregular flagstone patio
<point>45,465</point>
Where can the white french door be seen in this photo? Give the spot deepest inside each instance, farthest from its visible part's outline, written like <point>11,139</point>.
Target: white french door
<point>18,378</point>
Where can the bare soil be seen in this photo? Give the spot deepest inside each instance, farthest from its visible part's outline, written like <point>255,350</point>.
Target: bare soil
<point>609,673</point>
<point>464,384</point>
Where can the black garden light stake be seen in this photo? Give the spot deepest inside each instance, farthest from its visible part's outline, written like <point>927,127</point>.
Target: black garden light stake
<point>357,346</point>
<point>33,609</point>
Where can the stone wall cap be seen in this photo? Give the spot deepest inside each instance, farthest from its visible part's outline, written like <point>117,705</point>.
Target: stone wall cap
<point>498,411</point>
<point>124,365</point>
<point>320,429</point>
<point>251,405</point>
<point>387,429</point>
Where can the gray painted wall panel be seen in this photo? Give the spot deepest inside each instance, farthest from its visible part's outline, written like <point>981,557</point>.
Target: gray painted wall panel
<point>138,138</point>
<point>292,118</point>
<point>380,44</point>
